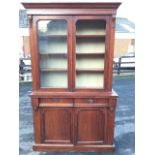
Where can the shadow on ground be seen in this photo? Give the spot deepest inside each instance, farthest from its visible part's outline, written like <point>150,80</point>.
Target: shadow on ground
<point>124,122</point>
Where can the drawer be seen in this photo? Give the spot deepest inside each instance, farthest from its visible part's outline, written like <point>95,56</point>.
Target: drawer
<point>91,102</point>
<point>55,102</point>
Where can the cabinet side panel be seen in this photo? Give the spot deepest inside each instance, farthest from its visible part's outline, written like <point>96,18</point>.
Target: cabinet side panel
<point>36,122</point>
<point>34,54</point>
<point>111,121</point>
<point>111,51</point>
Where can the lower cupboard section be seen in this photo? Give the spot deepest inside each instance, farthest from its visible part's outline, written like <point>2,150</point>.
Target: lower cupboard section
<point>86,126</point>
<point>74,128</point>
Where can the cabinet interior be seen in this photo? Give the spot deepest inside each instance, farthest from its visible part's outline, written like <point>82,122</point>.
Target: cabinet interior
<point>89,52</point>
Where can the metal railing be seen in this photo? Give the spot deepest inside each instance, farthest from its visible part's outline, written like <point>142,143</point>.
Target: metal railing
<point>124,66</point>
<point>25,70</point>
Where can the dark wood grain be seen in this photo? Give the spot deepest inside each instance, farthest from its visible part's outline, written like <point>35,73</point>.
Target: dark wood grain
<point>70,54</point>
<point>73,148</point>
<point>93,5</point>
<point>56,125</point>
<point>36,121</point>
<point>48,93</point>
<point>89,120</point>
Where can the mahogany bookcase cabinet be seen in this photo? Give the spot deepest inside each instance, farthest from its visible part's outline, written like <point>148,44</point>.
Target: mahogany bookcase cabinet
<point>72,47</point>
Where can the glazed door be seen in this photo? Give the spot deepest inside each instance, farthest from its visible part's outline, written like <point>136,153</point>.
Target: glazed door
<point>54,52</point>
<point>89,44</point>
<point>72,53</point>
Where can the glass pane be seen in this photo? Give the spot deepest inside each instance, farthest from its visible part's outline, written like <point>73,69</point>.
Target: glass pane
<point>90,61</point>
<point>53,44</point>
<point>90,50</point>
<point>53,61</point>
<point>90,45</point>
<point>89,80</point>
<point>53,79</point>
<point>96,27</point>
<point>52,35</point>
<point>52,27</point>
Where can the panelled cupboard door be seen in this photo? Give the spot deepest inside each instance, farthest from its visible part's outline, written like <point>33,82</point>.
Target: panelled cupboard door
<point>90,126</point>
<point>57,125</point>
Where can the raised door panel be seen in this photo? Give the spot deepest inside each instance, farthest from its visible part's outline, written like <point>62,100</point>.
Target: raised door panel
<point>90,126</point>
<point>57,125</point>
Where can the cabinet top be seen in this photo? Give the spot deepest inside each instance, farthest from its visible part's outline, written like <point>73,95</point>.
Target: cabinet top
<point>89,5</point>
<point>72,8</point>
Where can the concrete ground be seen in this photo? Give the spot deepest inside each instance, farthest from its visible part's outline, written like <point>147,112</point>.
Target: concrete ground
<point>124,122</point>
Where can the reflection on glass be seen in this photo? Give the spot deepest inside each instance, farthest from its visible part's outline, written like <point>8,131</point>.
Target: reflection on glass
<point>90,45</point>
<point>53,61</point>
<point>54,44</point>
<point>52,27</point>
<point>90,62</point>
<point>96,27</point>
<point>89,80</point>
<point>54,79</point>
<point>52,35</point>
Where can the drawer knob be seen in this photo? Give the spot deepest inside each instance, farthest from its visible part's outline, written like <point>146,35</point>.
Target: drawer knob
<point>90,100</point>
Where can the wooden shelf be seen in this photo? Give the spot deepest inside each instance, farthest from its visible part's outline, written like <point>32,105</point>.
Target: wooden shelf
<point>90,70</point>
<point>52,36</point>
<point>89,36</point>
<point>53,70</point>
<point>53,53</point>
<point>91,53</point>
